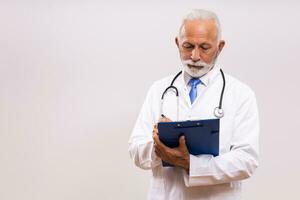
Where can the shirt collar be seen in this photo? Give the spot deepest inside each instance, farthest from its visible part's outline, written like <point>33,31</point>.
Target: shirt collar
<point>205,80</point>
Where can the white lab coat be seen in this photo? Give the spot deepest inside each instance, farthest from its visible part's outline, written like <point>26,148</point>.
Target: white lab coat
<point>210,177</point>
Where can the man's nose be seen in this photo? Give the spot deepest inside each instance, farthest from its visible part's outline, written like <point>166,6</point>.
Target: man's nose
<point>195,55</point>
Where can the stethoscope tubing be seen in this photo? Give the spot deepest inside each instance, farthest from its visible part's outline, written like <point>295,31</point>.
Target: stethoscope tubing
<point>218,112</point>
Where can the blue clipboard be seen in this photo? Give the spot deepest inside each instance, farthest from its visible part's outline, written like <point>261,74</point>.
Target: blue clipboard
<point>201,136</point>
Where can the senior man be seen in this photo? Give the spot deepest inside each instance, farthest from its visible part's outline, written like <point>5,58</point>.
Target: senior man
<point>203,176</point>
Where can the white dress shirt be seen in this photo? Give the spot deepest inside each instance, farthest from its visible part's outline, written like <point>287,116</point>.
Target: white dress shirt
<point>209,177</point>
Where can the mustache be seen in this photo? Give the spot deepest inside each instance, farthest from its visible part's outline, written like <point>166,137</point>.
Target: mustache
<point>198,64</point>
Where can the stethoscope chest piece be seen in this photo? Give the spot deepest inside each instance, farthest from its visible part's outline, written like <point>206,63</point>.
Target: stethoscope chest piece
<point>219,112</point>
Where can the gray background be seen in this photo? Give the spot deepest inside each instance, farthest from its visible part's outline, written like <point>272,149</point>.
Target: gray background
<point>74,74</point>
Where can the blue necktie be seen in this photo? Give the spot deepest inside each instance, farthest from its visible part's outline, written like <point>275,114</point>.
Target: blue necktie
<point>193,93</point>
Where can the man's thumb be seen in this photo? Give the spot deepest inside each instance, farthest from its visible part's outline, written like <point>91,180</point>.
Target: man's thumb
<point>182,141</point>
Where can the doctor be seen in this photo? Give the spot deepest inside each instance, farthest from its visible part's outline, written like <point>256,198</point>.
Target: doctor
<point>199,86</point>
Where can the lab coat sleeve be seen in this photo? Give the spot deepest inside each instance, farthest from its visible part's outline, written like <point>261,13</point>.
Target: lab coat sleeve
<point>237,164</point>
<point>141,148</point>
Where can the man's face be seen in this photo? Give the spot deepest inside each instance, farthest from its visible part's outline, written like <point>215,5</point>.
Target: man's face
<point>198,46</point>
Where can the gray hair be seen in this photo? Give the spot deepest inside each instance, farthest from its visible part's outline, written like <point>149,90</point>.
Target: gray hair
<point>200,14</point>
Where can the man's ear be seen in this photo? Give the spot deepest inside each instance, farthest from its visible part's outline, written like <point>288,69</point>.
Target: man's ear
<point>221,45</point>
<point>177,42</point>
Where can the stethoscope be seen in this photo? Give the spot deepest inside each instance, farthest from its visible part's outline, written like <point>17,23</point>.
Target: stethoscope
<point>218,111</point>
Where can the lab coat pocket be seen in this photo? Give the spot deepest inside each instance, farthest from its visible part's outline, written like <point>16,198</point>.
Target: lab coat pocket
<point>226,133</point>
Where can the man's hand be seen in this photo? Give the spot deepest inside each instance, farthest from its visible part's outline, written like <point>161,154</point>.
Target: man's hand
<point>178,156</point>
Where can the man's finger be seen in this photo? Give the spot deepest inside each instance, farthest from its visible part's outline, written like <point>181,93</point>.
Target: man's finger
<point>182,143</point>
<point>164,119</point>
<point>154,132</point>
<point>159,144</point>
<point>156,138</point>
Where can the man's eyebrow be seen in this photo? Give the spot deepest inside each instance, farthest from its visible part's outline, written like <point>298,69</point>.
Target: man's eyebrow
<point>187,43</point>
<point>205,44</point>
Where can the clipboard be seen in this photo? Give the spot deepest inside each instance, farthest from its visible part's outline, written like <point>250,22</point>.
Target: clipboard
<point>201,136</point>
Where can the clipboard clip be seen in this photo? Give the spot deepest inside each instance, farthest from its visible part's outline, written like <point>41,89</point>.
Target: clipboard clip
<point>182,125</point>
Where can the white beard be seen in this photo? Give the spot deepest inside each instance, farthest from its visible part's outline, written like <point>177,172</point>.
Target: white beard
<point>200,69</point>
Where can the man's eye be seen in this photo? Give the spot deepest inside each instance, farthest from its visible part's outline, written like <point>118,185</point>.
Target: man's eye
<point>187,46</point>
<point>205,48</point>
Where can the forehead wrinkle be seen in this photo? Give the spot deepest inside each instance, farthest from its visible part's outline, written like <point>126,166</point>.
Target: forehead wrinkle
<point>199,30</point>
